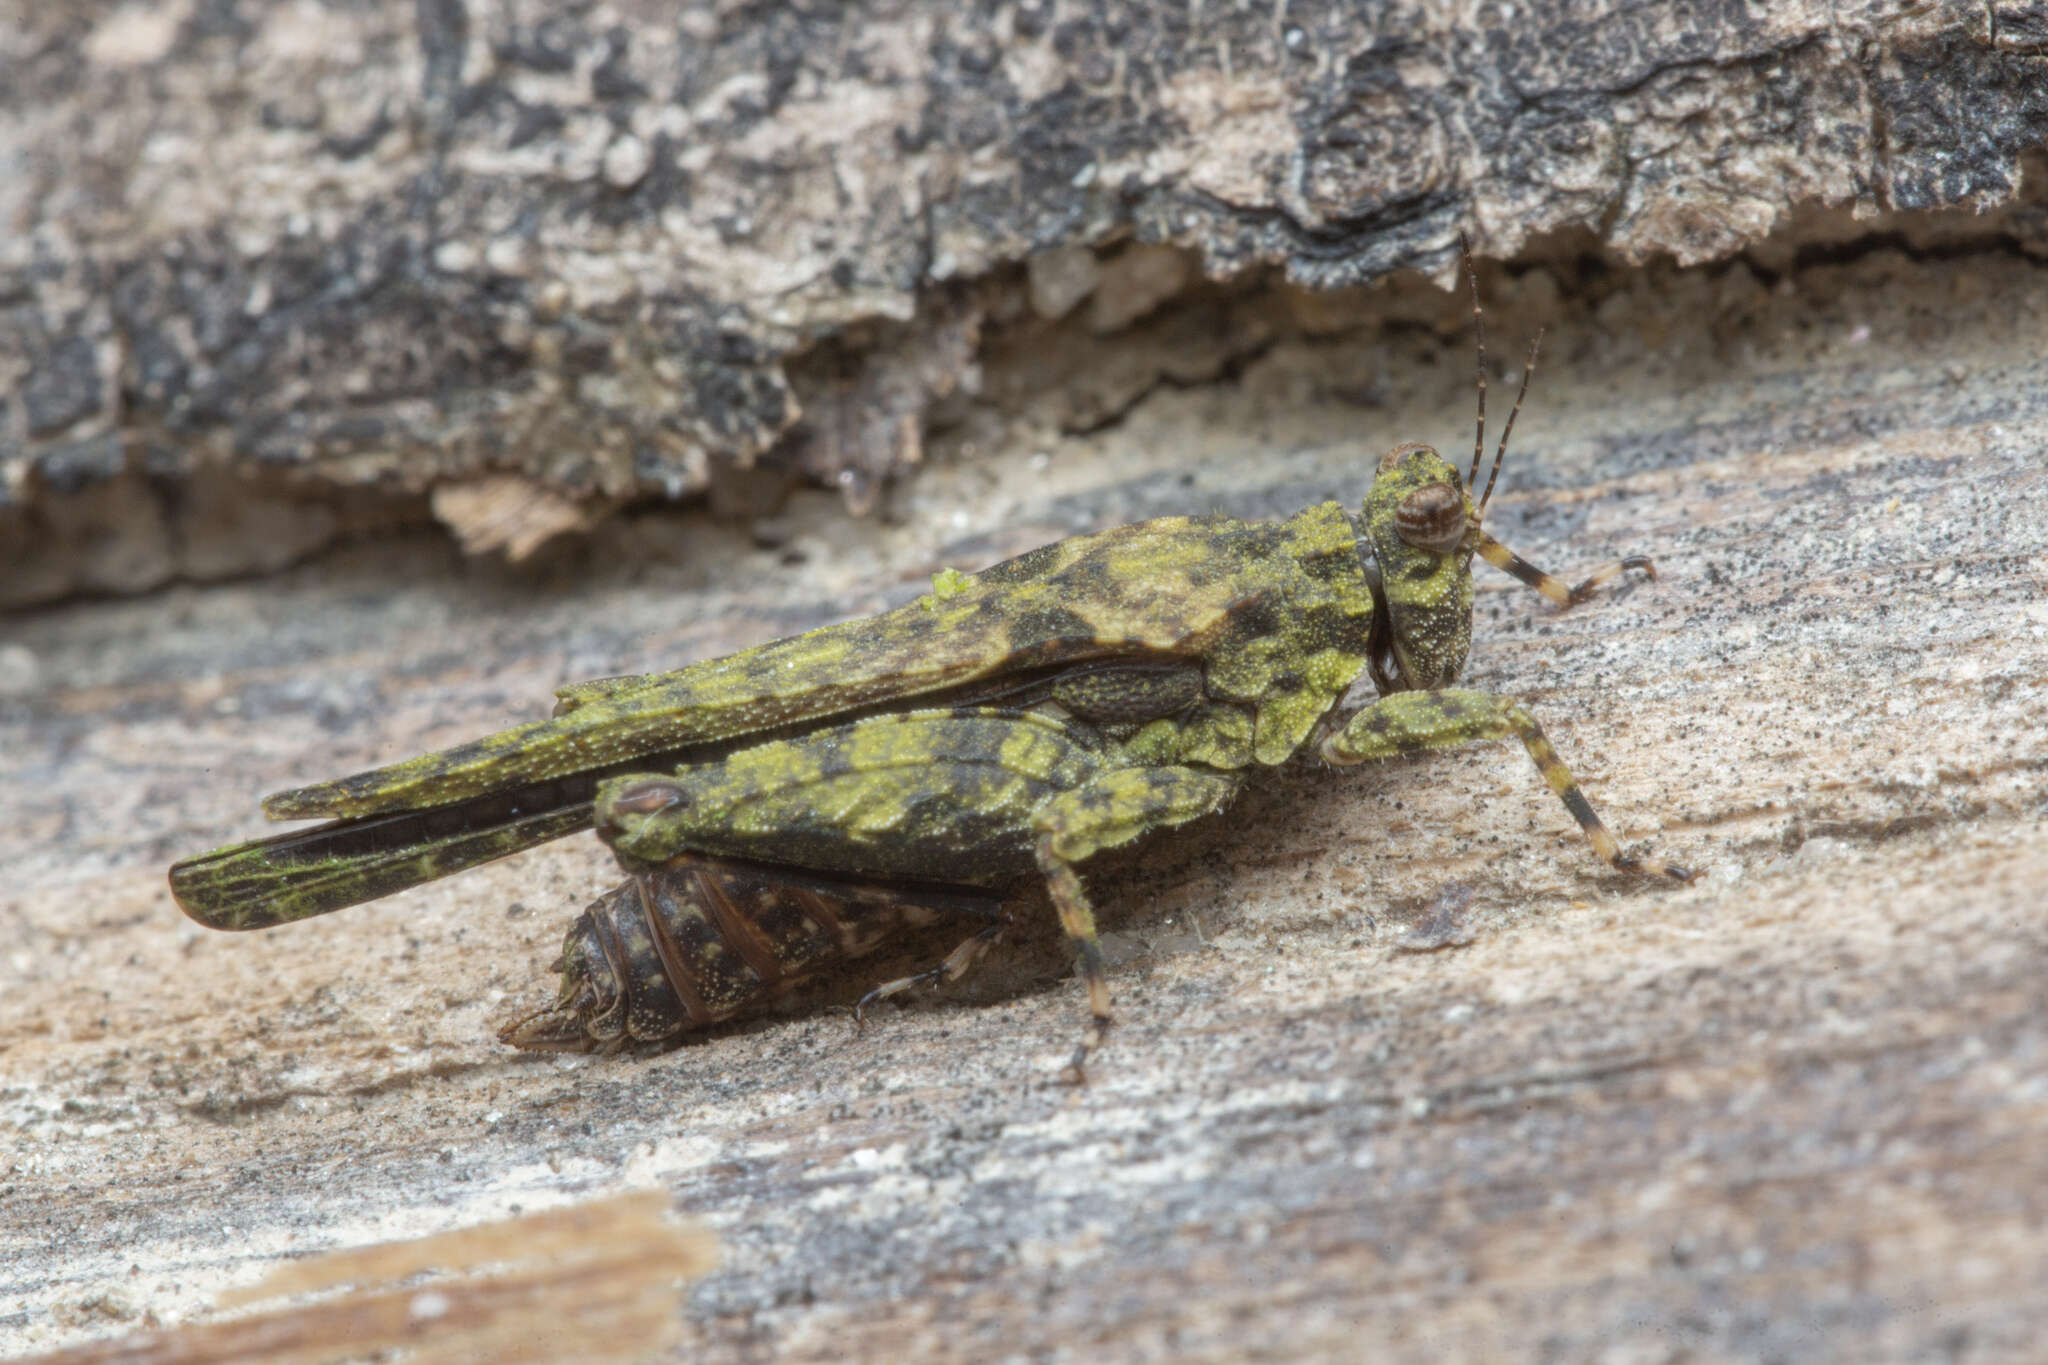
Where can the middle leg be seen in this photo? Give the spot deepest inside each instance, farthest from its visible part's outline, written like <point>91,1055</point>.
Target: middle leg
<point>1112,810</point>
<point>956,965</point>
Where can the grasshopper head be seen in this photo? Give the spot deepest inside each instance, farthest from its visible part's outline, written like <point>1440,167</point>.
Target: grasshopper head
<point>1423,529</point>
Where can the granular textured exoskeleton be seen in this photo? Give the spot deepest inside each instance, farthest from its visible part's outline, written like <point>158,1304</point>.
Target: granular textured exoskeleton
<point>697,940</point>
<point>785,805</point>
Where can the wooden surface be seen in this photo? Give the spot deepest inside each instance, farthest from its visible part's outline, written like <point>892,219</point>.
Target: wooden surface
<point>272,273</point>
<point>1795,1111</point>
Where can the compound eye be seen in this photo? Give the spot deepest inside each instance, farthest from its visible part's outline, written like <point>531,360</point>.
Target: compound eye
<point>1393,459</point>
<point>1432,518</point>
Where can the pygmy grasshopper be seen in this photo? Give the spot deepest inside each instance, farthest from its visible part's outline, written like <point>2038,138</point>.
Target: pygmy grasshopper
<point>800,800</point>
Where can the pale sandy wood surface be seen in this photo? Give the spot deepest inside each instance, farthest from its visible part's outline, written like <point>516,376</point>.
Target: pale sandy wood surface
<point>1795,1111</point>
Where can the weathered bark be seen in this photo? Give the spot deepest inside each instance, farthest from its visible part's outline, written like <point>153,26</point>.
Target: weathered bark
<point>1793,1111</point>
<point>272,274</point>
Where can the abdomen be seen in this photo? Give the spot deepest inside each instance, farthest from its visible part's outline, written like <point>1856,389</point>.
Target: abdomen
<point>699,940</point>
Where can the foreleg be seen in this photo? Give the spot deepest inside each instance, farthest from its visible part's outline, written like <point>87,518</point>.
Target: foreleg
<point>1552,587</point>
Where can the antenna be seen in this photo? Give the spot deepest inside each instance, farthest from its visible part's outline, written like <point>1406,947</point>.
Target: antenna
<point>1528,368</point>
<point>1479,332</point>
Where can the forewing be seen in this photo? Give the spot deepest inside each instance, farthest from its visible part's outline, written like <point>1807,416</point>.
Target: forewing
<point>309,872</point>
<point>1158,587</point>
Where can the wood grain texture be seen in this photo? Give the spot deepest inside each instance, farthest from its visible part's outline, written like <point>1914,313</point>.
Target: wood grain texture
<point>1795,1111</point>
<point>271,273</point>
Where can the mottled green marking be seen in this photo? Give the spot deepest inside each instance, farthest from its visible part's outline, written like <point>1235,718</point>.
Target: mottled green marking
<point>799,801</point>
<point>1274,615</point>
<point>946,584</point>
